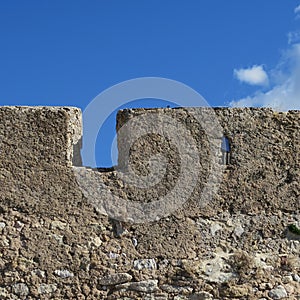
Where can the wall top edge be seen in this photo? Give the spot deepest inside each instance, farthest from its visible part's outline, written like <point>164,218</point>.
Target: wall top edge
<point>38,107</point>
<point>238,109</point>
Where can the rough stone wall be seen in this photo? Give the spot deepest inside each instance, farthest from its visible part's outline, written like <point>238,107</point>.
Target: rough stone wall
<point>55,244</point>
<point>265,161</point>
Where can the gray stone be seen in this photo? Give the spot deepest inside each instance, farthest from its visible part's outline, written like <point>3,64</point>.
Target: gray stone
<point>134,242</point>
<point>214,228</point>
<point>47,288</point>
<point>147,286</point>
<point>114,279</point>
<point>63,273</point>
<point>296,277</point>
<point>113,255</point>
<point>19,225</point>
<point>122,287</point>
<point>39,273</point>
<point>20,289</point>
<point>149,264</point>
<point>278,293</point>
<point>2,225</point>
<point>238,230</point>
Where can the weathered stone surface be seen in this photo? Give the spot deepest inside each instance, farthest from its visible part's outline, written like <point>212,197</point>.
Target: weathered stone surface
<point>58,245</point>
<point>236,291</point>
<point>115,279</point>
<point>39,134</point>
<point>63,273</point>
<point>2,225</point>
<point>149,264</point>
<point>201,296</point>
<point>296,277</point>
<point>156,296</point>
<point>278,293</point>
<point>185,290</point>
<point>47,288</point>
<point>264,147</point>
<point>20,289</point>
<point>146,286</point>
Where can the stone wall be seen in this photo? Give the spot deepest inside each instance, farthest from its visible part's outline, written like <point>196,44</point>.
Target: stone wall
<point>57,243</point>
<point>264,167</point>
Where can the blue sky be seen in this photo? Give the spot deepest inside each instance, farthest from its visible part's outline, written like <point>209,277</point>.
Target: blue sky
<point>234,53</point>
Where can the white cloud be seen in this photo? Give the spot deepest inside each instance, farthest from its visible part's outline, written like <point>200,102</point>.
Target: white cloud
<point>255,75</point>
<point>293,37</point>
<point>297,9</point>
<point>285,93</point>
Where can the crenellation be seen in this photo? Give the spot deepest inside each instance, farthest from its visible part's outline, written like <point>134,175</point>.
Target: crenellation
<point>72,232</point>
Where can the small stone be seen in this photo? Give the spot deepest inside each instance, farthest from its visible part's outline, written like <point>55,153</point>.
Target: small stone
<point>96,241</point>
<point>2,225</point>
<point>201,296</point>
<point>287,279</point>
<point>63,273</point>
<point>118,228</point>
<point>19,225</point>
<point>39,273</point>
<point>296,277</point>
<point>214,228</point>
<point>113,255</point>
<point>47,288</point>
<point>238,230</point>
<point>134,242</point>
<point>149,264</point>
<point>59,238</point>
<point>20,289</point>
<point>180,297</point>
<point>58,225</point>
<point>147,286</point>
<point>114,279</point>
<point>278,293</point>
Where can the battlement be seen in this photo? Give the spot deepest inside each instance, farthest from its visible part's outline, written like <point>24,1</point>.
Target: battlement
<point>217,217</point>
